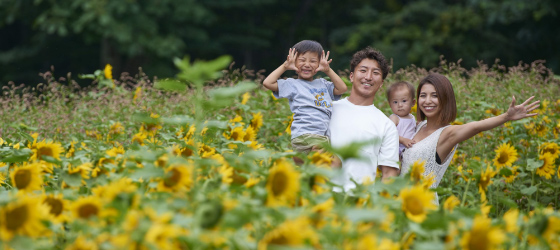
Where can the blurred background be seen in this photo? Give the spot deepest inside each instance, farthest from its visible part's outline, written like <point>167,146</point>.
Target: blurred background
<point>80,36</point>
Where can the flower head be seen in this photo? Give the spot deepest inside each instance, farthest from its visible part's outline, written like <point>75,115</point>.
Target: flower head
<point>417,202</point>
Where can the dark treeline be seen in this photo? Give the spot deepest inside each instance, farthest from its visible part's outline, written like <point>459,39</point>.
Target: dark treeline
<point>80,36</point>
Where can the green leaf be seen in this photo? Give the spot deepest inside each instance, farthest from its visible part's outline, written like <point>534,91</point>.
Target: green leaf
<point>170,85</point>
<point>146,173</point>
<point>178,120</point>
<point>17,155</point>
<point>356,215</point>
<point>529,191</point>
<point>73,180</point>
<point>505,172</point>
<point>532,164</point>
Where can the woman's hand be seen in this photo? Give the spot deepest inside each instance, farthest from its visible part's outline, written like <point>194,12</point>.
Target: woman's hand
<point>516,112</point>
<point>290,63</point>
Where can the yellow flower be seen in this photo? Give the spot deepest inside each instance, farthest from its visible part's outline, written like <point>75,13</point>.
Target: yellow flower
<point>2,175</point>
<point>116,188</point>
<point>236,134</point>
<point>257,121</point>
<point>137,94</point>
<point>417,202</point>
<point>140,137</point>
<point>289,128</point>
<point>116,128</point>
<point>413,109</point>
<point>23,217</point>
<point>177,177</point>
<point>511,217</point>
<point>28,177</point>
<point>250,134</point>
<point>451,202</point>
<point>57,207</point>
<point>245,98</point>
<point>108,72</point>
<point>387,244</point>
<point>321,159</point>
<point>493,111</point>
<point>550,147</point>
<point>225,170</point>
<point>506,155</point>
<point>417,171</point>
<point>482,236</point>
<point>236,119</point>
<point>484,181</point>
<point>81,243</point>
<point>87,207</point>
<point>282,184</point>
<point>43,148</point>
<point>547,168</point>
<point>251,182</point>
<point>206,151</point>
<point>514,172</point>
<point>291,233</point>
<point>161,236</point>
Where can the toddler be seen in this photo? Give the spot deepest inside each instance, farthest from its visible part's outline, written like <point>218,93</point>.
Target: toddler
<point>401,99</point>
<point>310,99</point>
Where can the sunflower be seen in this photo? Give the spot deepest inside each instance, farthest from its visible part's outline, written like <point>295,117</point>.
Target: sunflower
<point>550,147</point>
<point>116,128</point>
<point>289,128</point>
<point>206,151</point>
<point>551,231</point>
<point>43,149</point>
<point>257,121</point>
<point>177,177</point>
<point>81,243</point>
<point>417,202</point>
<point>23,216</point>
<point>225,170</point>
<point>320,211</point>
<point>115,189</point>
<point>451,202</point>
<point>285,234</point>
<point>511,218</point>
<point>506,155</point>
<point>282,184</point>
<point>115,151</point>
<point>236,134</point>
<point>139,137</point>
<point>137,94</point>
<point>28,177</point>
<point>250,134</point>
<point>108,72</point>
<point>417,171</point>
<point>57,207</point>
<point>83,169</point>
<point>547,168</point>
<point>514,172</point>
<point>87,207</point>
<point>482,235</point>
<point>321,159</point>
<point>162,236</point>
<point>2,175</point>
<point>484,181</point>
<point>245,98</point>
<point>162,161</point>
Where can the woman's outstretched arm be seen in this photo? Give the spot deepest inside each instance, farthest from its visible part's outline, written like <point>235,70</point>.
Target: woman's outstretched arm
<point>453,135</point>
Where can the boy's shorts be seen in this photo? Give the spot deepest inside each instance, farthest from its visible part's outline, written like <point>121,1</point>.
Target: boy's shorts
<point>304,143</point>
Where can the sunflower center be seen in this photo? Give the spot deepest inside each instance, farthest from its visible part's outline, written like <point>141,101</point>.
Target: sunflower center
<point>479,241</point>
<point>187,152</point>
<point>44,151</point>
<point>87,210</point>
<point>173,178</point>
<point>22,178</point>
<point>235,136</point>
<point>504,157</point>
<point>552,151</point>
<point>414,205</point>
<point>279,183</point>
<point>55,204</point>
<point>16,217</point>
<point>280,240</point>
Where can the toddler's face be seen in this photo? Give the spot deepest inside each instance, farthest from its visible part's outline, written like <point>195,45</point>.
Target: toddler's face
<point>307,63</point>
<point>400,102</point>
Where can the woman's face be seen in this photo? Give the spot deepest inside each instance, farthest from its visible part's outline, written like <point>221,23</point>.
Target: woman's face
<point>428,101</point>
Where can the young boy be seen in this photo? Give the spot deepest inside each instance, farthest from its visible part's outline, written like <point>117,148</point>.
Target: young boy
<point>310,99</point>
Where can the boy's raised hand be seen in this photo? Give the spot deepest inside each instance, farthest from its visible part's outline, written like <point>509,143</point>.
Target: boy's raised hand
<point>324,63</point>
<point>516,112</point>
<point>290,63</point>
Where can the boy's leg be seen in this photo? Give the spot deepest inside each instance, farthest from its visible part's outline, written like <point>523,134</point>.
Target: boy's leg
<point>307,143</point>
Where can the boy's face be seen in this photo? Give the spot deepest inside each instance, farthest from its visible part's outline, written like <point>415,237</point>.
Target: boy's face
<point>400,102</point>
<point>307,63</point>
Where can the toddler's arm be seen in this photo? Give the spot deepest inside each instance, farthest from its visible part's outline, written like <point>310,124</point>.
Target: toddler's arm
<point>324,65</point>
<point>406,142</point>
<point>271,81</point>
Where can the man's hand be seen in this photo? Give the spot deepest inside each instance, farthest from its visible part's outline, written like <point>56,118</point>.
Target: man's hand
<point>290,63</point>
<point>324,63</point>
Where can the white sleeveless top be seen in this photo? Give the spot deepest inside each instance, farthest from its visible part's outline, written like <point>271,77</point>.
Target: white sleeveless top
<point>425,150</point>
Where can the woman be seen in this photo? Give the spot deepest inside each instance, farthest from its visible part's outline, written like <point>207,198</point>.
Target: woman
<point>436,140</point>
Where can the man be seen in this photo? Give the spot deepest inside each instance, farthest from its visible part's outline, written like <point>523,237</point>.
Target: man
<point>356,119</point>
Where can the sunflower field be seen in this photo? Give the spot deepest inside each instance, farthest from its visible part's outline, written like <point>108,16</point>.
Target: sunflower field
<point>202,161</point>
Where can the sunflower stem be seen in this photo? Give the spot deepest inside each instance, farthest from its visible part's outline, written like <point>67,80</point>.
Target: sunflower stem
<point>465,193</point>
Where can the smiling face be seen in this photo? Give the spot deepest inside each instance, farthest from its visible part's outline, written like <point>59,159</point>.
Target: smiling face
<point>428,101</point>
<point>307,63</point>
<point>401,102</point>
<point>366,79</point>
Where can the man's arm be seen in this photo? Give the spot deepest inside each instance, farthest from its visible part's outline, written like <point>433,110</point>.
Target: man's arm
<point>388,172</point>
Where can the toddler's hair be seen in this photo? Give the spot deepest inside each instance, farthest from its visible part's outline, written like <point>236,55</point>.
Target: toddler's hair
<point>373,54</point>
<point>399,85</point>
<point>308,45</point>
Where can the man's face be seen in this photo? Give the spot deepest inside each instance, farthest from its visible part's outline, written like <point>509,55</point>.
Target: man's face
<point>366,79</point>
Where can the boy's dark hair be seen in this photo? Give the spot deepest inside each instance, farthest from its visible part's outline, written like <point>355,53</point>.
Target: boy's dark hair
<point>308,45</point>
<point>373,54</point>
<point>399,85</point>
<point>445,96</point>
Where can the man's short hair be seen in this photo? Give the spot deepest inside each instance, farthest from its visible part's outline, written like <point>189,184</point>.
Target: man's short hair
<point>399,85</point>
<point>308,45</point>
<point>373,54</point>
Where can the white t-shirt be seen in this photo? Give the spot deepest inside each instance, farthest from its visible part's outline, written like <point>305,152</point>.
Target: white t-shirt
<point>355,123</point>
